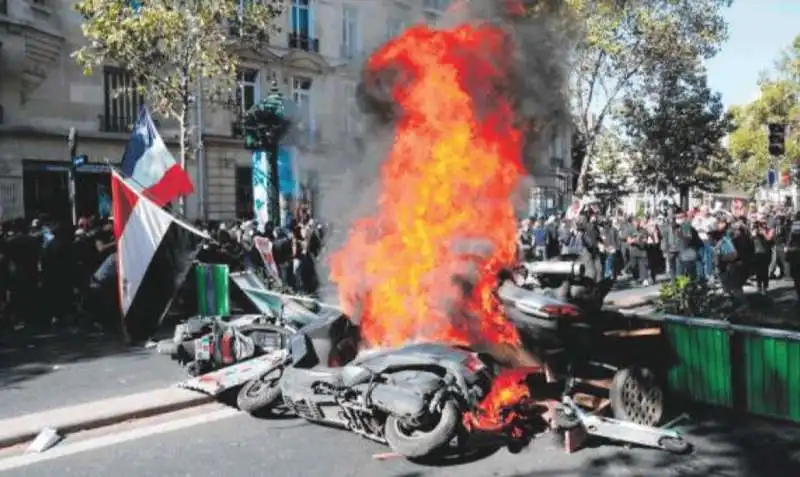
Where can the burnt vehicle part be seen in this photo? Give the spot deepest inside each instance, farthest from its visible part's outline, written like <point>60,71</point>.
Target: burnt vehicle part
<point>333,340</point>
<point>411,398</point>
<point>569,415</point>
<point>274,318</point>
<point>575,343</point>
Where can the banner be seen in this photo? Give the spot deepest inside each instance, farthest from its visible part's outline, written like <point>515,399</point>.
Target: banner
<point>288,184</point>
<point>260,192</point>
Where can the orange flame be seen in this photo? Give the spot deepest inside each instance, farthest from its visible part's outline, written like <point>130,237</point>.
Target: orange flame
<point>453,166</point>
<point>508,388</point>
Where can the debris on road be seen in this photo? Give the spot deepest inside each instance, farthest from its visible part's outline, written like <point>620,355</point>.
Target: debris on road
<point>45,440</point>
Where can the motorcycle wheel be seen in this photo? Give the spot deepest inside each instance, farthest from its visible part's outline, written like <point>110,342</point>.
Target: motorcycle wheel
<point>259,395</point>
<point>416,443</point>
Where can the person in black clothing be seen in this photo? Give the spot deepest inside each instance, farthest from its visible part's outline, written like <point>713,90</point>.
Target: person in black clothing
<point>23,263</point>
<point>552,245</point>
<point>762,247</point>
<point>58,264</point>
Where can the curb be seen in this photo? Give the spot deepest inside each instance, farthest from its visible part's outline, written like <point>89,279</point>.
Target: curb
<point>30,425</point>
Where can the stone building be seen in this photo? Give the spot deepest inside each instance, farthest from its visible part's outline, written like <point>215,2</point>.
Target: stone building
<point>43,94</point>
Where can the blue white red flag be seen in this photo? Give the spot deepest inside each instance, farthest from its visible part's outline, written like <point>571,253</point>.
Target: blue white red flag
<point>151,166</point>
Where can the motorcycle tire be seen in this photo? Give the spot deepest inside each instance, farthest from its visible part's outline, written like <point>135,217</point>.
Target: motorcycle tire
<point>418,446</point>
<point>259,395</point>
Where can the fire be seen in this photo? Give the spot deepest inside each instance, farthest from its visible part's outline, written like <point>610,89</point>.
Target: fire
<point>447,181</point>
<point>496,410</point>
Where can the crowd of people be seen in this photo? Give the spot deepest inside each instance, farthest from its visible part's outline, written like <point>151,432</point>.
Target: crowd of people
<point>723,246</point>
<point>73,267</point>
<point>286,256</point>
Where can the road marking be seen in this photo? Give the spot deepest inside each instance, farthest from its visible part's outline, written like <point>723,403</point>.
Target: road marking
<point>113,439</point>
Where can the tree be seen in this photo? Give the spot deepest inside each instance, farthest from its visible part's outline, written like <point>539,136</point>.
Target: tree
<point>778,102</point>
<point>676,126</point>
<point>609,180</point>
<point>169,47</point>
<point>623,45</point>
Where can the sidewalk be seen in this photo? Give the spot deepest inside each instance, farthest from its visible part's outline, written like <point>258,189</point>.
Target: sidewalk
<point>71,419</point>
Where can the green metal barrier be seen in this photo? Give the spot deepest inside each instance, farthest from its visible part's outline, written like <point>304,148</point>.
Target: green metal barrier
<point>703,369</point>
<point>212,282</point>
<point>756,370</point>
<point>770,367</point>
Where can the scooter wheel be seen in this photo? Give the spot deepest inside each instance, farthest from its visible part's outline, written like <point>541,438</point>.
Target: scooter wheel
<point>675,445</point>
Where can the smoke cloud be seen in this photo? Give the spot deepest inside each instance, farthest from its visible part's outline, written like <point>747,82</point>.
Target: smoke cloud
<point>538,53</point>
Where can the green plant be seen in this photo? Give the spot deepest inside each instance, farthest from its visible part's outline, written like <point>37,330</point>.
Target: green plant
<point>689,297</point>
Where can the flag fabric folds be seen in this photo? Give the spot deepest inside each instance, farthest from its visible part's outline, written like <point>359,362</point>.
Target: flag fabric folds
<point>155,251</point>
<point>151,166</point>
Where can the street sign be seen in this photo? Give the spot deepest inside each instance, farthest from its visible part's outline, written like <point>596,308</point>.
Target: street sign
<point>78,161</point>
<point>772,177</point>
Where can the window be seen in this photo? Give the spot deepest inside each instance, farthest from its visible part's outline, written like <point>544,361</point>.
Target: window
<point>301,32</point>
<point>351,32</point>
<point>436,5</point>
<point>301,18</point>
<point>433,10</point>
<point>3,7</point>
<point>351,124</point>
<point>301,95</point>
<point>555,149</point>
<point>397,22</point>
<point>121,101</point>
<point>249,92</point>
<point>41,3</point>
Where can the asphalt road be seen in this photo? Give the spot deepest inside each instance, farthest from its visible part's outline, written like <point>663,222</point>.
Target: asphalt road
<point>45,371</point>
<point>236,444</point>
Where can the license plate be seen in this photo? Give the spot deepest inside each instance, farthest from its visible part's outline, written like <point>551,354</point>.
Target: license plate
<point>202,349</point>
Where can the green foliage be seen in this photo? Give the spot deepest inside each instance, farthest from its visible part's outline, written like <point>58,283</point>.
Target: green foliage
<point>687,297</point>
<point>609,181</point>
<point>676,126</point>
<point>624,45</point>
<point>168,46</point>
<point>778,101</point>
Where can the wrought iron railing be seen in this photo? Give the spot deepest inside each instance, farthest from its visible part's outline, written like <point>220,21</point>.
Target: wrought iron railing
<point>303,42</point>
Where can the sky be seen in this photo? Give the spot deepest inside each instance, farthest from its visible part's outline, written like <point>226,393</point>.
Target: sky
<point>758,30</point>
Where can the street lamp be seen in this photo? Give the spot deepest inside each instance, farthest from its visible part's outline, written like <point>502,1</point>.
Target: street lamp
<point>264,125</point>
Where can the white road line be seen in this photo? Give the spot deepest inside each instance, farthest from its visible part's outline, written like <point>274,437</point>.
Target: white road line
<point>113,439</point>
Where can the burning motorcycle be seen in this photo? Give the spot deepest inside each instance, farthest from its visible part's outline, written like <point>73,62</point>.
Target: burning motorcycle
<point>411,398</point>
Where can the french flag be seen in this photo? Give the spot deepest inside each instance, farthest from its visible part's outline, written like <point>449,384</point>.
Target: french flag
<point>151,167</point>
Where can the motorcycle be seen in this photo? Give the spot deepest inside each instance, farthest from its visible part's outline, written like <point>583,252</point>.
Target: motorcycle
<point>206,343</point>
<point>411,398</point>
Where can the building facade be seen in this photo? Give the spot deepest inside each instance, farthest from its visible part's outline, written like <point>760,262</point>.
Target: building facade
<point>315,61</point>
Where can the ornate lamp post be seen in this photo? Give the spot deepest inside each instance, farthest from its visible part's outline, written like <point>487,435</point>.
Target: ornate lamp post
<point>264,125</point>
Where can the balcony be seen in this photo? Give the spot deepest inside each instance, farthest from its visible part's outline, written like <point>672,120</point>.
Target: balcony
<point>301,41</point>
<point>119,124</point>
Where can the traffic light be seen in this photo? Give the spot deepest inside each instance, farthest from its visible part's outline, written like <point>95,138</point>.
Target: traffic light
<point>777,139</point>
